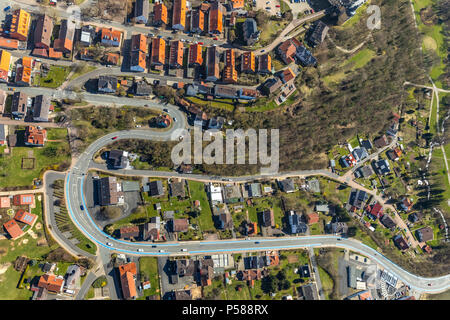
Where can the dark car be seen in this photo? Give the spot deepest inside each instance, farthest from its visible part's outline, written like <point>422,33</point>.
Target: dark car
<point>81,207</point>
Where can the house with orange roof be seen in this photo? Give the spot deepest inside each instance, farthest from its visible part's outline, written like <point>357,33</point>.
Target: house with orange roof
<point>64,43</point>
<point>248,63</point>
<point>5,202</point>
<point>51,282</point>
<point>43,32</point>
<point>265,64</point>
<point>252,228</point>
<point>237,4</point>
<point>5,61</point>
<point>23,199</point>
<point>158,56</point>
<point>312,218</point>
<point>127,273</point>
<point>229,74</point>
<point>197,21</point>
<point>286,75</point>
<point>176,54</point>
<point>160,14</point>
<point>139,52</point>
<point>35,136</point>
<point>287,50</point>
<point>13,229</point>
<point>23,71</point>
<point>179,15</point>
<point>25,217</point>
<point>215,25</point>
<point>195,55</point>
<point>112,58</point>
<point>11,44</point>
<point>110,37</point>
<point>20,25</point>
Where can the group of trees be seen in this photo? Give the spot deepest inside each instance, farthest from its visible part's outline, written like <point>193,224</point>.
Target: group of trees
<point>272,284</point>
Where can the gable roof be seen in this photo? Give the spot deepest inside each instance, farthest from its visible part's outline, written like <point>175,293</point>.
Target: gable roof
<point>51,282</point>
<point>160,13</point>
<point>25,217</point>
<point>13,229</point>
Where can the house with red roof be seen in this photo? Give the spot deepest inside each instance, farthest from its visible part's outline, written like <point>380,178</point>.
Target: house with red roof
<point>23,199</point>
<point>128,274</point>
<point>13,229</point>
<point>25,217</point>
<point>5,202</point>
<point>51,282</point>
<point>376,211</point>
<point>312,218</point>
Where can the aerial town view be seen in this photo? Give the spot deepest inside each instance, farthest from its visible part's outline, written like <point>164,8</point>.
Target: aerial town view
<point>242,150</point>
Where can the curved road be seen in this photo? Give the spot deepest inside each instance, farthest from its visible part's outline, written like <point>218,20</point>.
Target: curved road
<point>75,197</point>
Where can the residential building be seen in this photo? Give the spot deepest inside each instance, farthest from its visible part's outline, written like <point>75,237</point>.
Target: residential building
<point>265,64</point>
<point>158,57</point>
<point>229,71</point>
<point>111,37</point>
<point>107,84</point>
<point>387,221</point>
<point>176,189</point>
<point>381,142</point>
<point>287,185</point>
<point>118,159</point>
<point>10,44</point>
<point>142,88</point>
<point>111,58</point>
<point>3,136</point>
<point>160,14</point>
<point>248,94</point>
<point>23,199</point>
<point>179,15</point>
<point>286,75</point>
<point>180,225</point>
<point>248,64</point>
<point>251,33</point>
<point>287,50</point>
<point>406,204</point>
<point>43,32</point>
<point>308,292</point>
<point>254,190</point>
<point>382,167</point>
<point>268,219</point>
<point>13,229</point>
<point>109,191</point>
<point>338,228</point>
<point>5,61</point>
<point>87,35</point>
<point>139,52</point>
<point>156,188</point>
<point>360,153</point>
<point>25,217</point>
<point>129,232</point>
<point>64,43</point>
<point>20,24</point>
<point>41,108</point>
<point>376,211</point>
<point>305,57</point>
<point>127,274</point>
<point>225,221</point>
<point>197,21</point>
<point>176,54</point>
<point>212,64</point>
<point>312,218</point>
<point>23,71</point>
<point>317,33</point>
<point>400,242</point>
<point>195,55</point>
<point>35,136</point>
<point>164,120</point>
<point>365,171</point>
<point>151,231</point>
<point>271,85</point>
<point>215,18</point>
<point>295,223</point>
<point>424,234</point>
<point>51,282</point>
<point>225,92</point>
<point>357,198</point>
<point>237,4</point>
<point>141,11</point>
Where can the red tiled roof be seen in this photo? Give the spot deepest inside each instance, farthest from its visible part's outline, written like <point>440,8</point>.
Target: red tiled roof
<point>23,199</point>
<point>25,217</point>
<point>5,202</point>
<point>312,218</point>
<point>160,13</point>
<point>127,273</point>
<point>377,210</point>
<point>51,282</point>
<point>13,229</point>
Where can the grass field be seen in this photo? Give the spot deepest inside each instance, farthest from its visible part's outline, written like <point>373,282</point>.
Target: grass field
<point>51,155</point>
<point>327,282</point>
<point>55,77</point>
<point>149,267</point>
<point>198,192</point>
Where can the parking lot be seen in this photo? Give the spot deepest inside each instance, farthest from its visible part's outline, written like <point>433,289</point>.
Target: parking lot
<point>271,7</point>
<point>298,7</point>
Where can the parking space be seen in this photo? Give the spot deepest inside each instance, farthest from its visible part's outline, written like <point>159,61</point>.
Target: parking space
<point>301,6</point>
<point>271,7</point>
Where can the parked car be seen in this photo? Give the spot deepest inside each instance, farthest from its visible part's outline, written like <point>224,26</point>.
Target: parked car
<point>7,8</point>
<point>277,6</point>
<point>140,250</point>
<point>109,244</point>
<point>114,138</point>
<point>200,43</point>
<point>161,250</point>
<point>184,250</point>
<point>81,207</point>
<point>174,119</point>
<point>166,110</point>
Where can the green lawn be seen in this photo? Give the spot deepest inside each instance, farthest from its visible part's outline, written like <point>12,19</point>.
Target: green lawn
<point>327,282</point>
<point>55,77</point>
<point>51,156</point>
<point>149,267</point>
<point>198,192</point>
<point>82,70</point>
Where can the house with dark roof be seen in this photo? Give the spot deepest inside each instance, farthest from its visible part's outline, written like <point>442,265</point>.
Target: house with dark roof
<point>414,217</point>
<point>338,228</point>
<point>41,108</point>
<point>382,167</point>
<point>286,185</point>
<point>141,88</point>
<point>360,153</point>
<point>387,221</point>
<point>72,277</point>
<point>267,218</point>
<point>156,188</point>
<point>129,232</point>
<point>107,84</point>
<point>212,64</point>
<point>225,92</point>
<point>271,85</point>
<point>308,292</point>
<point>317,33</point>
<point>183,295</point>
<point>20,104</point>
<point>118,159</point>
<point>141,11</point>
<point>177,189</point>
<point>179,14</point>
<point>295,223</point>
<point>365,171</point>
<point>400,242</point>
<point>109,191</point>
<point>424,234</point>
<point>225,221</point>
<point>3,141</point>
<point>305,57</point>
<point>185,267</point>
<point>381,142</point>
<point>197,21</point>
<point>251,33</point>
<point>180,225</point>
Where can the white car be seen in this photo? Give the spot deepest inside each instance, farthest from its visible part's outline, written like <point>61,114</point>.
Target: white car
<point>140,250</point>
<point>109,244</point>
<point>184,250</point>
<point>161,250</point>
